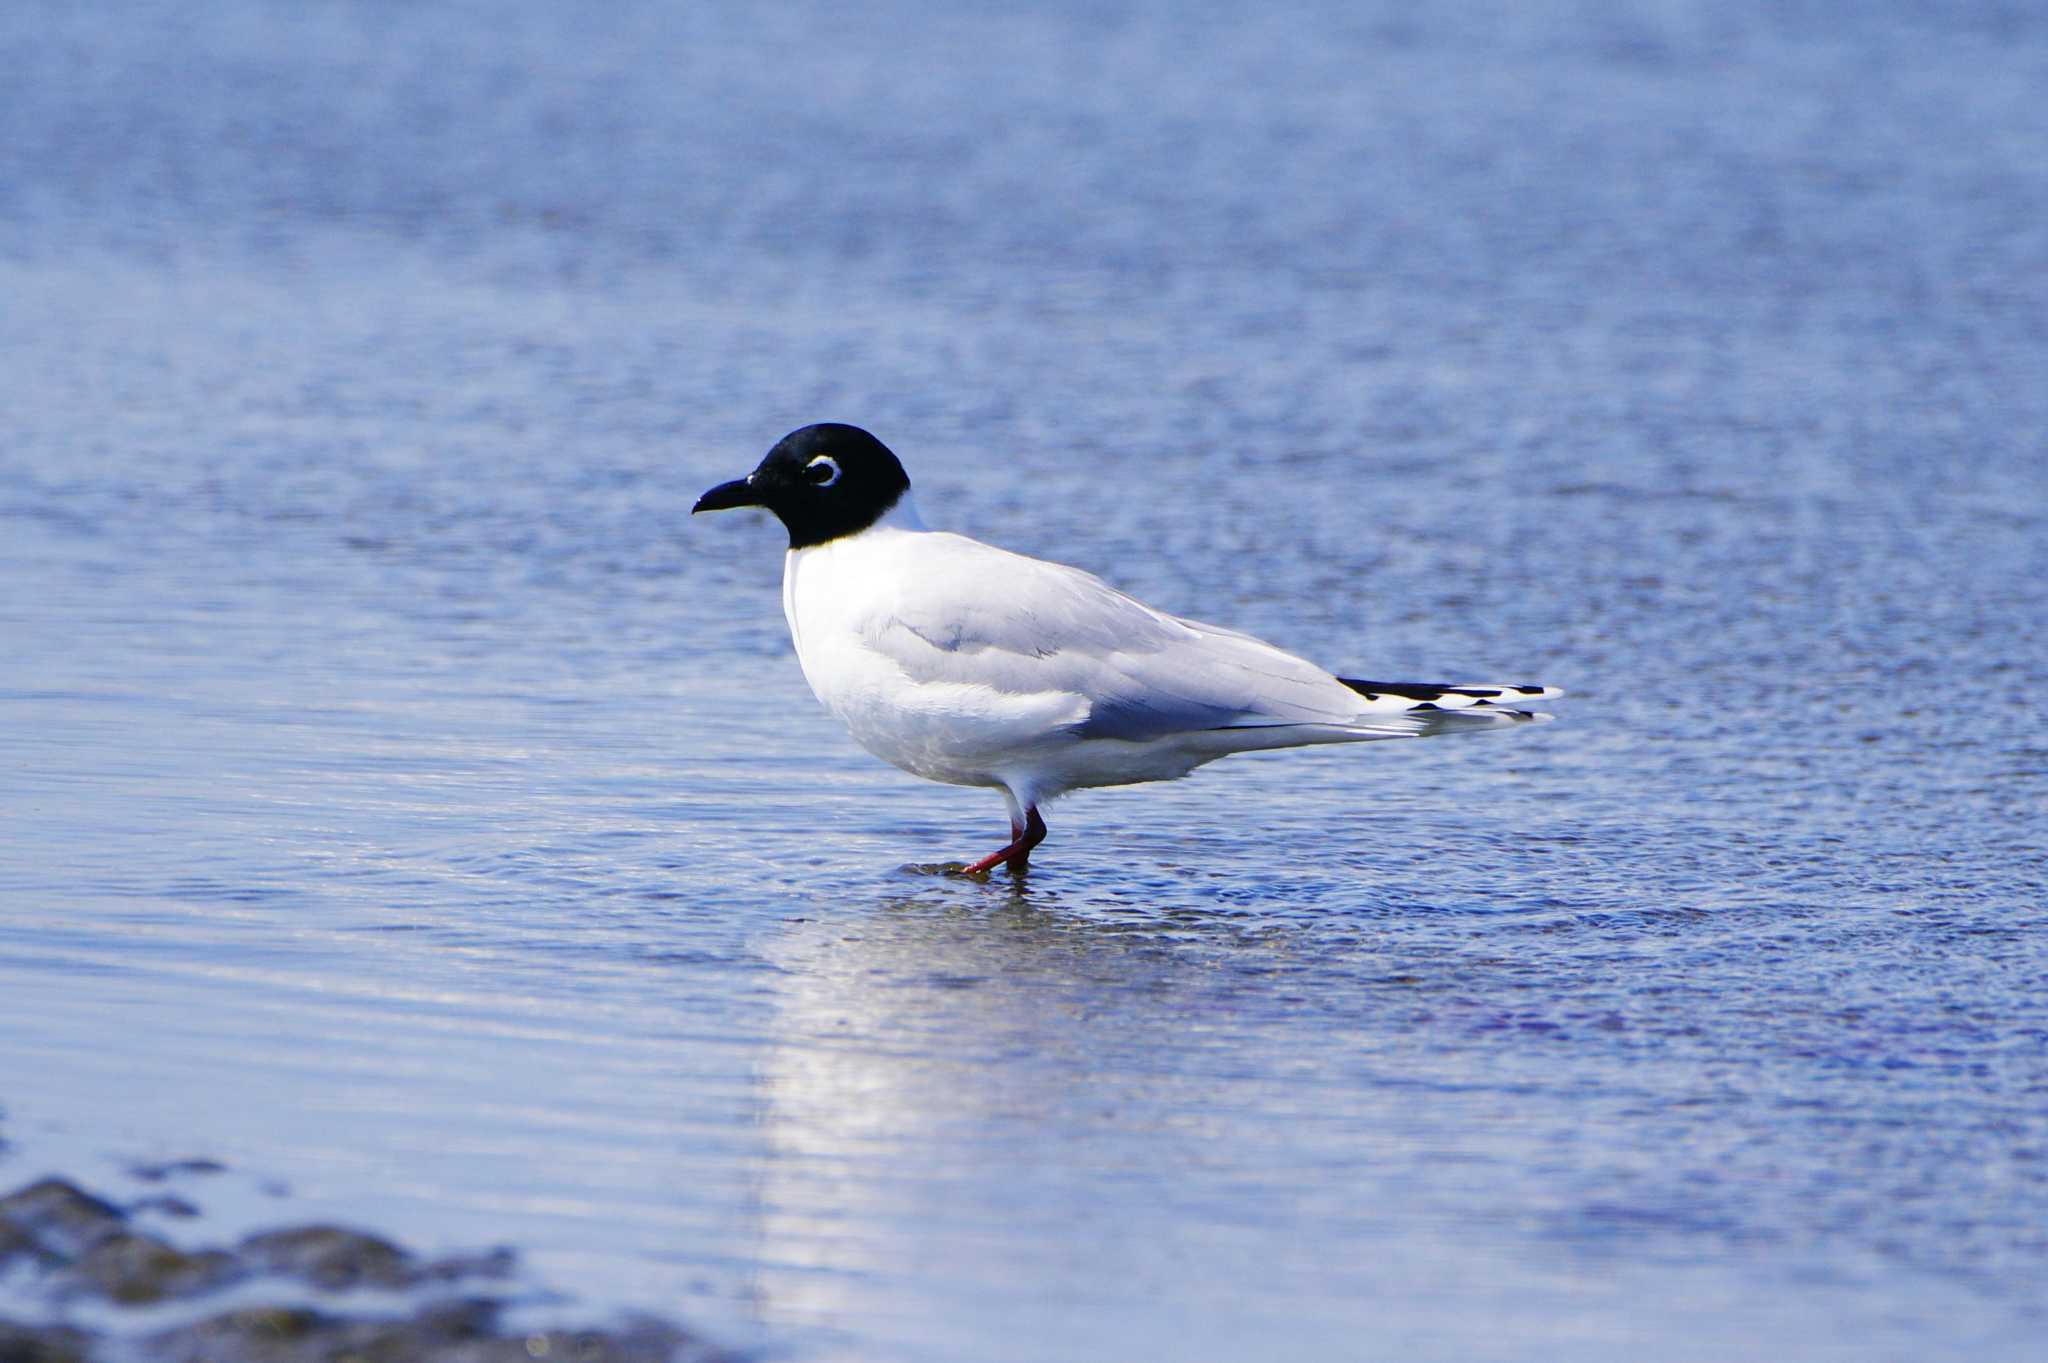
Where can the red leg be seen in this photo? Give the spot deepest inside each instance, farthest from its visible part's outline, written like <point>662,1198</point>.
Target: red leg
<point>1022,840</point>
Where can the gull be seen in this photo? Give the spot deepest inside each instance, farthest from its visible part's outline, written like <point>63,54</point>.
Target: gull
<point>968,664</point>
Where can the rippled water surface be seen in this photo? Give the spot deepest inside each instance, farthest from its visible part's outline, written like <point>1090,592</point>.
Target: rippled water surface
<point>404,802</point>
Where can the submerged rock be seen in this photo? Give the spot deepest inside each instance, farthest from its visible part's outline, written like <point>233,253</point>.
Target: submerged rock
<point>16,1242</point>
<point>42,1344</point>
<point>78,1243</point>
<point>164,1204</point>
<point>157,1173</point>
<point>329,1256</point>
<point>449,1332</point>
<point>135,1269</point>
<point>64,1219</point>
<point>336,1258</point>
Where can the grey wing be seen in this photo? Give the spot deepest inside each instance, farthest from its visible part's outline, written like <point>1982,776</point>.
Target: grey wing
<point>1025,629</point>
<point>1212,678</point>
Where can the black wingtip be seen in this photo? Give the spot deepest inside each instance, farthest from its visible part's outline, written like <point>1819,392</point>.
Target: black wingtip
<point>1373,690</point>
<point>1426,691</point>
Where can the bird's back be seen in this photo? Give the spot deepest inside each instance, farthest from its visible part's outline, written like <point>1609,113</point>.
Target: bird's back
<point>956,660</point>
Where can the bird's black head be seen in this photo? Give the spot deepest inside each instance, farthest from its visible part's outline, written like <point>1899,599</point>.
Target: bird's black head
<point>823,482</point>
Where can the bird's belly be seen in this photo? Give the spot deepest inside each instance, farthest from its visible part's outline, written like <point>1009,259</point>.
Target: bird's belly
<point>967,736</point>
<point>943,731</point>
<point>922,744</point>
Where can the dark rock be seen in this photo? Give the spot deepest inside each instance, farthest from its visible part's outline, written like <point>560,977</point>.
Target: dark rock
<point>157,1173</point>
<point>164,1204</point>
<point>280,1323</point>
<point>459,1318</point>
<point>16,1242</point>
<point>491,1263</point>
<point>330,1256</point>
<point>253,1335</point>
<point>141,1268</point>
<point>642,1341</point>
<point>448,1332</point>
<point>87,1241</point>
<point>42,1343</point>
<point>64,1220</point>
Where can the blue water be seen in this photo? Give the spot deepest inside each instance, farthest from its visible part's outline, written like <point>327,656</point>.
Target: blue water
<point>404,802</point>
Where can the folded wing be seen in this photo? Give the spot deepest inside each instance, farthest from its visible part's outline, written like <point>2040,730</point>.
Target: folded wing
<point>1027,630</point>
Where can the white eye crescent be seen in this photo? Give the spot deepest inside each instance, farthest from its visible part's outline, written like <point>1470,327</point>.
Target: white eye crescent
<point>822,471</point>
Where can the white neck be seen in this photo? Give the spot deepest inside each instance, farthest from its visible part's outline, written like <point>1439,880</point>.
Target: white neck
<point>902,516</point>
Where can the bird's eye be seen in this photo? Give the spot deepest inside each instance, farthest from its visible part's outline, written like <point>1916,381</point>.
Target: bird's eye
<point>823,471</point>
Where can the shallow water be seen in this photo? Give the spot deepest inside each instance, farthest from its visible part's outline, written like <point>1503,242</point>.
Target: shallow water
<point>405,803</point>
